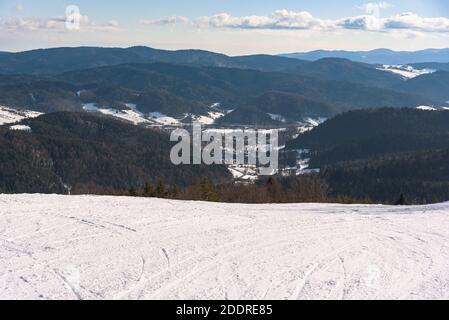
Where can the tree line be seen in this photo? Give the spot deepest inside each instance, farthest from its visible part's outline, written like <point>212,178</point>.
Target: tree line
<point>307,188</point>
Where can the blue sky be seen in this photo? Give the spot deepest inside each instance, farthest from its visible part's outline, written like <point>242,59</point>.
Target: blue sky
<point>229,26</point>
<point>138,9</point>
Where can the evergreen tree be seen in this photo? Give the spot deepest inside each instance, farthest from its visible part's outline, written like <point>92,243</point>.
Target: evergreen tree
<point>132,192</point>
<point>149,190</point>
<point>174,192</point>
<point>160,190</point>
<point>401,201</point>
<point>207,190</point>
<point>274,189</point>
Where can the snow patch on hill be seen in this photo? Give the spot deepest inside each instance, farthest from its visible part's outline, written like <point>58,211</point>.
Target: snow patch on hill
<point>11,115</point>
<point>426,108</point>
<point>19,127</point>
<point>163,119</point>
<point>277,117</point>
<point>131,115</point>
<point>153,118</point>
<point>210,119</point>
<point>92,247</point>
<point>407,72</point>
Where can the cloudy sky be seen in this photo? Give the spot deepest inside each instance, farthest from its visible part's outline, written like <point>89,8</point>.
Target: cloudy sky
<point>228,26</point>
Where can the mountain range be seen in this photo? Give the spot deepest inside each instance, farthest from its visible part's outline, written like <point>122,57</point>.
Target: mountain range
<point>375,144</point>
<point>188,82</point>
<point>378,56</point>
<point>58,60</point>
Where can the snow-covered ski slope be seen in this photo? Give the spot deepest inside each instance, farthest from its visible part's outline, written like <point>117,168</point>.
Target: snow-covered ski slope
<point>90,247</point>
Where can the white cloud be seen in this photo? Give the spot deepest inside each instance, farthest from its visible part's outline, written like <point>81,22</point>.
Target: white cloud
<point>375,7</point>
<point>281,19</point>
<point>27,24</point>
<point>412,21</point>
<point>54,24</point>
<point>303,20</point>
<point>366,22</point>
<point>62,23</point>
<point>113,23</point>
<point>406,21</point>
<point>166,20</point>
<point>19,8</point>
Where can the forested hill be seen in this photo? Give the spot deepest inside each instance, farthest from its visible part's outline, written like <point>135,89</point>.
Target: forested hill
<point>91,154</point>
<point>371,132</point>
<point>381,154</point>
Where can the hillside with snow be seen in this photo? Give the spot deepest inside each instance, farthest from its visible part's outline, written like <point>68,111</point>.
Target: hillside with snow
<point>405,71</point>
<point>10,115</point>
<point>91,247</point>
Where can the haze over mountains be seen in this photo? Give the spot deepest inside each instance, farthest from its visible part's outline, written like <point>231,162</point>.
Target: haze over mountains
<point>58,60</point>
<point>378,56</point>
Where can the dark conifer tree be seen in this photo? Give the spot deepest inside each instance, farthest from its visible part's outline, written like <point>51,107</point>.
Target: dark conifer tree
<point>149,190</point>
<point>132,192</point>
<point>401,201</point>
<point>160,190</point>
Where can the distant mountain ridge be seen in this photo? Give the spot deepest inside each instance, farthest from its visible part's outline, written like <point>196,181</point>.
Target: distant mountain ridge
<point>184,83</point>
<point>176,90</point>
<point>378,56</point>
<point>64,59</point>
<point>342,69</point>
<point>432,65</point>
<point>435,85</point>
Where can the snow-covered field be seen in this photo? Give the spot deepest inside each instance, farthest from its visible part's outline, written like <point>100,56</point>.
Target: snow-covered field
<point>154,118</point>
<point>407,72</point>
<point>10,115</point>
<point>89,247</point>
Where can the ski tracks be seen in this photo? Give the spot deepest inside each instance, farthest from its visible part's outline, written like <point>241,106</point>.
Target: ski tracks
<point>128,248</point>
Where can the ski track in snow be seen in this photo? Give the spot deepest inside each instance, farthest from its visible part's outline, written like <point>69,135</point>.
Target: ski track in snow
<point>91,247</point>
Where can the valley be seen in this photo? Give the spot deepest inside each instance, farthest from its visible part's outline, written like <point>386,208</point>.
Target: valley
<point>157,91</point>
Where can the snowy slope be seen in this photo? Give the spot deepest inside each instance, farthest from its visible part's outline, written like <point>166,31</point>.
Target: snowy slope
<point>10,115</point>
<point>407,72</point>
<point>89,247</point>
<point>153,118</point>
<point>20,127</point>
<point>131,115</point>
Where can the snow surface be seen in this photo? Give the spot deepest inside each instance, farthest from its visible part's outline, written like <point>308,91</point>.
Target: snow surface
<point>20,127</point>
<point>426,108</point>
<point>315,122</point>
<point>277,117</point>
<point>244,172</point>
<point>211,117</point>
<point>163,119</point>
<point>407,72</point>
<point>91,247</point>
<point>132,115</point>
<point>10,115</point>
